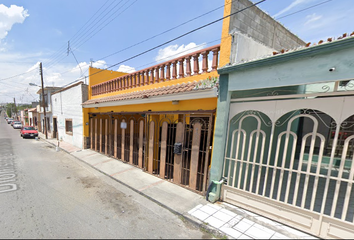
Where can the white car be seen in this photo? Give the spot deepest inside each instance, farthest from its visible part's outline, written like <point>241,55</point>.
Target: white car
<point>17,125</point>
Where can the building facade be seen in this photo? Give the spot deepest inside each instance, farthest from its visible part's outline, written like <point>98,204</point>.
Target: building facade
<point>48,107</point>
<point>67,122</point>
<point>159,119</point>
<point>162,118</point>
<point>32,117</point>
<point>285,133</point>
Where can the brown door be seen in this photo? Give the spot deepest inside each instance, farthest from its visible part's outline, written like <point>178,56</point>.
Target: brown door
<point>55,128</point>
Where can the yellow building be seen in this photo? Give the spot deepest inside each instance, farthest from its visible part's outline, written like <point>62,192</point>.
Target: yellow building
<point>159,118</point>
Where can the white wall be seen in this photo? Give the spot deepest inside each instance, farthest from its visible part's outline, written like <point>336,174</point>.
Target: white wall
<point>67,105</point>
<point>246,49</point>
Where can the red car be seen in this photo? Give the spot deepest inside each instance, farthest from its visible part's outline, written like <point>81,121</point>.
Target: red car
<point>28,131</point>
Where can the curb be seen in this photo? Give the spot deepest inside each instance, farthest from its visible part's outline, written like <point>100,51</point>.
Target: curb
<point>183,217</point>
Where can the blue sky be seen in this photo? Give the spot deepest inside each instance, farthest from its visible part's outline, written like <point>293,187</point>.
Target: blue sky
<point>39,30</point>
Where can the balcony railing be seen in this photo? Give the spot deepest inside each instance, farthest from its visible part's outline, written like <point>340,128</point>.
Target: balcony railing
<point>163,72</point>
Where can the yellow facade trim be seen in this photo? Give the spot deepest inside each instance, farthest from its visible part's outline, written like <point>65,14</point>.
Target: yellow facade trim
<point>197,78</point>
<point>226,39</point>
<point>184,105</point>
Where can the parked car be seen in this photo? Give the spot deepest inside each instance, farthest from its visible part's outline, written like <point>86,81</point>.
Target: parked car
<point>17,125</point>
<point>28,131</point>
<point>12,122</point>
<point>9,120</point>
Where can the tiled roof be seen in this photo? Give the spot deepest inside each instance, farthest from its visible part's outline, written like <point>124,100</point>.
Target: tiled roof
<point>309,44</point>
<point>166,90</point>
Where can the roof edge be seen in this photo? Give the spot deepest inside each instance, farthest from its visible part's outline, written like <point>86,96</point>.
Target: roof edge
<point>322,48</point>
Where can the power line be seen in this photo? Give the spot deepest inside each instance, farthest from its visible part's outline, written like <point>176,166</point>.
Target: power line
<point>81,43</point>
<point>55,55</point>
<point>165,31</point>
<point>59,56</point>
<point>153,36</point>
<point>17,75</point>
<point>177,54</point>
<point>303,9</point>
<point>199,29</point>
<point>73,37</point>
<point>93,33</point>
<point>58,59</point>
<point>185,34</point>
<point>12,86</point>
<point>94,25</point>
<point>69,50</point>
<point>183,52</point>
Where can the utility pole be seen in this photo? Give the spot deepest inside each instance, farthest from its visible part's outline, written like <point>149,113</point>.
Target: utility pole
<point>43,101</point>
<point>15,108</point>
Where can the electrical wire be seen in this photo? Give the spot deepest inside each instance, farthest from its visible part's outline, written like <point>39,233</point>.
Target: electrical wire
<point>73,37</point>
<point>167,42</point>
<point>55,55</point>
<point>58,59</point>
<point>200,28</point>
<point>175,55</point>
<point>169,30</point>
<point>185,34</point>
<point>159,35</point>
<point>180,53</point>
<point>82,36</point>
<point>81,43</point>
<point>3,79</point>
<point>303,9</point>
<point>60,52</point>
<point>184,23</point>
<point>95,25</point>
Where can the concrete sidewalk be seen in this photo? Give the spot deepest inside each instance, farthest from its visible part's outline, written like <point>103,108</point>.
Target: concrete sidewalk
<point>222,218</point>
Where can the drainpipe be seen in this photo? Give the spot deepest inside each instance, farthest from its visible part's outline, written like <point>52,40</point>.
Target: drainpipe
<point>214,190</point>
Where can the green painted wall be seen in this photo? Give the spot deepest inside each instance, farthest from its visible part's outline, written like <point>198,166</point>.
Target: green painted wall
<point>220,133</point>
<point>305,66</point>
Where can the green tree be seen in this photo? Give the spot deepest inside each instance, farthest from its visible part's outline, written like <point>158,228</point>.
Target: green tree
<point>10,108</point>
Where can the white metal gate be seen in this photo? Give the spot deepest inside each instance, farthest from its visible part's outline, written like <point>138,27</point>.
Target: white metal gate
<point>293,161</point>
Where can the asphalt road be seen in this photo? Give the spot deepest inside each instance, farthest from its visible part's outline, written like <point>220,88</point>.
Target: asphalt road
<point>49,194</point>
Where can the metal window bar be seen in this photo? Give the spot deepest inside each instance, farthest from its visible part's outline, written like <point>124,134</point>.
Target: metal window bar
<point>186,159</point>
<point>171,136</point>
<point>308,183</point>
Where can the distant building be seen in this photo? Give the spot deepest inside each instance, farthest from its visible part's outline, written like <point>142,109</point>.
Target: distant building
<point>32,117</point>
<point>34,104</point>
<point>48,106</point>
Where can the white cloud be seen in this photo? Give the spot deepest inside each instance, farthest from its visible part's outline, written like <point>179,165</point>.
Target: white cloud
<point>174,51</point>
<point>291,6</point>
<point>33,67</point>
<point>99,64</point>
<point>10,16</point>
<point>83,66</point>
<point>312,18</point>
<point>59,75</point>
<point>126,69</point>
